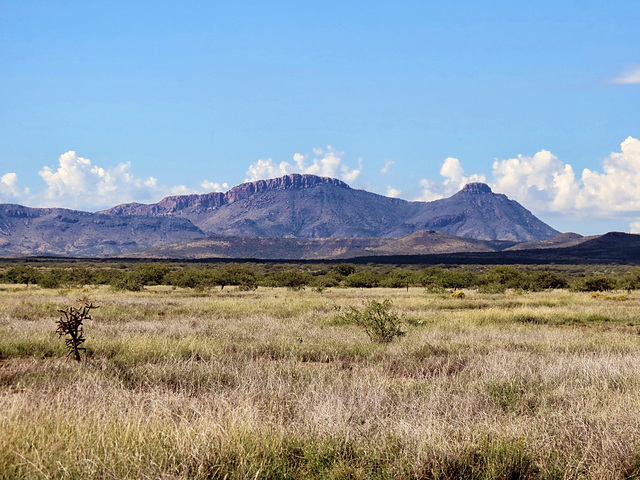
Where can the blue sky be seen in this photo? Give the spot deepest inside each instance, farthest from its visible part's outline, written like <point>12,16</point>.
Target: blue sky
<point>110,102</point>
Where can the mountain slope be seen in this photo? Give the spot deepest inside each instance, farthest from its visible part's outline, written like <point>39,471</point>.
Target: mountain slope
<point>560,241</point>
<point>307,206</point>
<point>419,243</point>
<point>57,231</point>
<point>477,212</point>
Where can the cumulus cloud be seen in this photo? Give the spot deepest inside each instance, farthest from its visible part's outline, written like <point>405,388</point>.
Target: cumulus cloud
<point>630,76</point>
<point>454,180</point>
<point>326,163</point>
<point>392,192</point>
<point>543,182</point>
<point>214,186</point>
<point>75,182</point>
<point>10,189</point>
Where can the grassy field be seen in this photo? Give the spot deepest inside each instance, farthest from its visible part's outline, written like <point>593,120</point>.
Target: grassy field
<point>274,383</point>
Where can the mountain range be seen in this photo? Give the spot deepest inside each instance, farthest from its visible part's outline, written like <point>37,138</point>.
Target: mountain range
<point>308,206</point>
<point>291,217</point>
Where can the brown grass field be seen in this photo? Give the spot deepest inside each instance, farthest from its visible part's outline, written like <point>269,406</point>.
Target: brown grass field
<point>274,383</point>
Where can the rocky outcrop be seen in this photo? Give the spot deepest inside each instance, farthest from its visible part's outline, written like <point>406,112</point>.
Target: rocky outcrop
<point>476,187</point>
<point>211,201</point>
<point>294,181</point>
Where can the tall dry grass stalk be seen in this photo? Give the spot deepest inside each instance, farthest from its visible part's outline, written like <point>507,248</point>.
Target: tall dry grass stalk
<point>273,384</point>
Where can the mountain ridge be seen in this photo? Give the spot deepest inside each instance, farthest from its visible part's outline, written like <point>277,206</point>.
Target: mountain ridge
<point>308,206</point>
<point>292,206</point>
<point>213,200</point>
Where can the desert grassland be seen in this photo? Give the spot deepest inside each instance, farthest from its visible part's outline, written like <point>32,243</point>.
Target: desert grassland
<point>272,383</point>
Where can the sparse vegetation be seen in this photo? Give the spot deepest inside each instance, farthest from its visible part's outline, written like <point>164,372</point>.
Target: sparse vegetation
<point>274,383</point>
<point>247,276</point>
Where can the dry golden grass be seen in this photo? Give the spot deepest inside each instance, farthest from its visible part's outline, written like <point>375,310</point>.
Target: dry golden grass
<point>273,384</point>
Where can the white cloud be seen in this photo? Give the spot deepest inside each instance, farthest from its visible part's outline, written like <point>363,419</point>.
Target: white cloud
<point>214,186</point>
<point>454,180</point>
<point>387,167</point>
<point>10,189</point>
<point>328,163</point>
<point>631,76</point>
<point>75,182</point>
<point>392,192</point>
<point>267,169</point>
<point>544,183</point>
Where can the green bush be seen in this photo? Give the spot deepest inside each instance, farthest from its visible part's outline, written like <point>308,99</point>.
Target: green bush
<point>343,269</point>
<point>192,278</point>
<point>293,279</point>
<point>51,279</point>
<point>543,280</point>
<point>398,279</point>
<point>378,322</point>
<point>128,282</point>
<point>150,273</point>
<point>21,274</point>
<point>505,276</point>
<point>362,280</point>
<point>243,277</point>
<point>596,283</point>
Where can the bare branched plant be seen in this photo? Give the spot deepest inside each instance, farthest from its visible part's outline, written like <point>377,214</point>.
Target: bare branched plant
<point>71,324</point>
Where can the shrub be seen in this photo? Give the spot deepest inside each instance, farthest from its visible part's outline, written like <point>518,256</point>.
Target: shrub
<point>398,279</point>
<point>243,277</point>
<point>293,279</point>
<point>378,322</point>
<point>596,283</point>
<point>457,279</point>
<point>150,273</point>
<point>362,280</point>
<point>343,269</point>
<point>71,325</point>
<point>51,279</point>
<point>192,278</point>
<point>22,274</point>
<point>326,281</point>
<point>542,280</point>
<point>505,276</point>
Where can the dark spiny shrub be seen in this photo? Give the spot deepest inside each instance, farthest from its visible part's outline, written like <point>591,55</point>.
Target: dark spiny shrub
<point>70,327</point>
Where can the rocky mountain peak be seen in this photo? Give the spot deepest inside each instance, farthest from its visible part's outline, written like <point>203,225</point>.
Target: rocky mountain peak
<point>476,187</point>
<point>288,182</point>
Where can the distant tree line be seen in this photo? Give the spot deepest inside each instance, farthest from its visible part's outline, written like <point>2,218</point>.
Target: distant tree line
<point>494,280</point>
